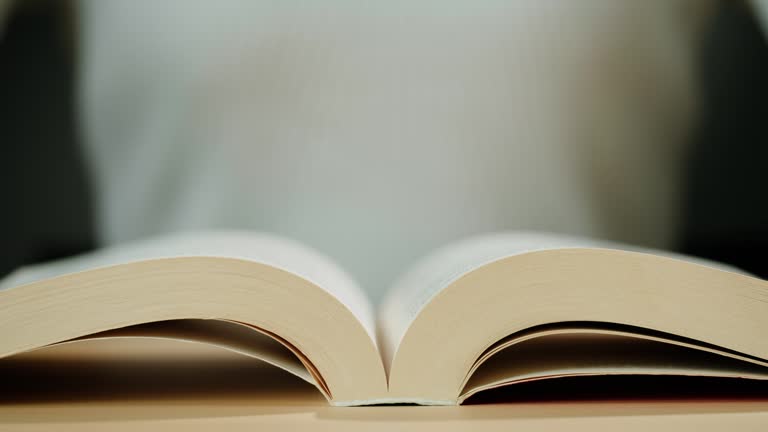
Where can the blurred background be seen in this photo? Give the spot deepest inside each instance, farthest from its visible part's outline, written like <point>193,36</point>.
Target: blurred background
<point>48,199</point>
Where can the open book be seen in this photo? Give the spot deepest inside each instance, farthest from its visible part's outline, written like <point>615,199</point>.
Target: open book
<point>487,312</point>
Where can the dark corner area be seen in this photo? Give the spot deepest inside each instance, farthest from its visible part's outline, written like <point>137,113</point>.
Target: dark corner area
<point>46,206</point>
<point>726,213</point>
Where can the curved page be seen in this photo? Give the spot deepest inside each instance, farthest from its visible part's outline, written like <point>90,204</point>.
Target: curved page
<point>581,352</point>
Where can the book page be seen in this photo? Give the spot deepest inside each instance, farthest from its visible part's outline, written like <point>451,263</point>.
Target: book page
<point>267,249</point>
<point>438,270</point>
<point>224,335</point>
<point>590,354</point>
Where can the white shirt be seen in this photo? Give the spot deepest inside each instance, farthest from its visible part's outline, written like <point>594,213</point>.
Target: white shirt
<point>377,131</point>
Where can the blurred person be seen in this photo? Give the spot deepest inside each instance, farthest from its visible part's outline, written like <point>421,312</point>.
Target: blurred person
<point>377,131</point>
